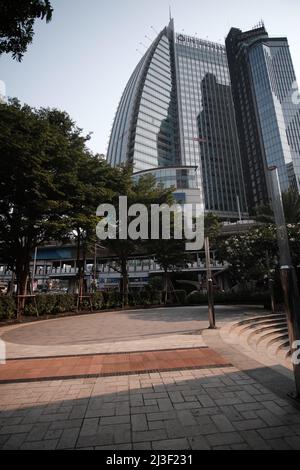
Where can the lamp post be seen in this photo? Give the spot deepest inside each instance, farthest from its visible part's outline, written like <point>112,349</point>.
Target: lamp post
<point>33,269</point>
<point>210,293</point>
<point>270,284</point>
<point>287,272</point>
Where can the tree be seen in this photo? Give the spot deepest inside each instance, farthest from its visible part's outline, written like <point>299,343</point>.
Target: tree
<point>142,191</point>
<point>17,20</point>
<point>212,226</point>
<point>251,255</point>
<point>291,207</point>
<point>170,255</point>
<point>97,182</point>
<point>43,183</point>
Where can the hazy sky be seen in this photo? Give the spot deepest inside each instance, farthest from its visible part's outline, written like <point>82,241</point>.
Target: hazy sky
<point>82,60</point>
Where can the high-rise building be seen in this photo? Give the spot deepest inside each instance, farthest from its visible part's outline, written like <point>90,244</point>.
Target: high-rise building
<point>176,120</point>
<point>267,110</point>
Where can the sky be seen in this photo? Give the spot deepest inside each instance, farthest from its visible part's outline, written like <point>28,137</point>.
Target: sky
<point>81,61</point>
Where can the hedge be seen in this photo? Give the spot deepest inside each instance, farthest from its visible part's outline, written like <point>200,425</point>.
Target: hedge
<point>255,298</point>
<point>52,304</point>
<point>61,303</point>
<point>7,307</point>
<point>177,296</point>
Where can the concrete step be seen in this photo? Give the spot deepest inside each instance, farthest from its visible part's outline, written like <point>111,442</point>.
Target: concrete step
<point>254,324</point>
<point>256,319</point>
<point>283,351</point>
<point>270,339</point>
<point>263,328</point>
<point>265,335</point>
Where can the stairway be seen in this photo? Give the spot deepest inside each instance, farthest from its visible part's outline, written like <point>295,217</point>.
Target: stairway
<point>265,334</point>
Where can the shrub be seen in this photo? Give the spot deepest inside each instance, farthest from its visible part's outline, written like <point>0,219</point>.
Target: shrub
<point>7,307</point>
<point>156,297</point>
<point>255,298</point>
<point>51,304</point>
<point>97,300</point>
<point>155,283</point>
<point>145,297</point>
<point>112,299</point>
<point>65,303</point>
<point>136,298</point>
<point>179,296</point>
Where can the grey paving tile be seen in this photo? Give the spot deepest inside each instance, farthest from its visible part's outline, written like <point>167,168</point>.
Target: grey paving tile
<point>171,444</point>
<point>224,438</point>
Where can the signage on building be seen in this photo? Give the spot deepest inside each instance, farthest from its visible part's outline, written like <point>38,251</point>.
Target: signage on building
<point>200,42</point>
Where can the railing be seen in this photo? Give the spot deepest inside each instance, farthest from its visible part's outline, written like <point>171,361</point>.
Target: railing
<point>134,267</point>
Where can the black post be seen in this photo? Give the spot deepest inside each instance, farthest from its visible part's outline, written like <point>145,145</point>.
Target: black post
<point>272,295</point>
<point>287,273</point>
<point>210,288</point>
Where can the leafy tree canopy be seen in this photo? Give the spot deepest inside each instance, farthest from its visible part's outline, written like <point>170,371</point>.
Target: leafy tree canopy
<point>254,254</point>
<point>291,207</point>
<point>50,183</point>
<point>17,18</point>
<point>212,226</point>
<point>143,190</point>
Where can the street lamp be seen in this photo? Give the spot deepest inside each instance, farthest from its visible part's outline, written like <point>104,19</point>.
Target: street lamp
<point>210,293</point>
<point>287,271</point>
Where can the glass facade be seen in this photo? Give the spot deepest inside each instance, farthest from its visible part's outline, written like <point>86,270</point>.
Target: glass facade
<point>118,144</point>
<point>273,79</point>
<point>154,139</point>
<point>179,177</point>
<point>145,129</point>
<point>268,119</point>
<point>208,128</point>
<point>176,117</point>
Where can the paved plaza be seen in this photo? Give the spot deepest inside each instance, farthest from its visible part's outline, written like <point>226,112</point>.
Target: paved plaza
<point>168,383</point>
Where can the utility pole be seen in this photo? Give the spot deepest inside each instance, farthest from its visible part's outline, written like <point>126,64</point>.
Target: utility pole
<point>287,272</point>
<point>34,268</point>
<point>270,284</point>
<point>210,292</point>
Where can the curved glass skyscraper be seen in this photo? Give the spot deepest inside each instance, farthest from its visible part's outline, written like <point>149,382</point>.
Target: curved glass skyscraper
<point>176,120</point>
<point>267,106</point>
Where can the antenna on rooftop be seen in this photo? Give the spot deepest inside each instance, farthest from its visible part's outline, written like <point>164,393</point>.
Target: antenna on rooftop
<point>260,24</point>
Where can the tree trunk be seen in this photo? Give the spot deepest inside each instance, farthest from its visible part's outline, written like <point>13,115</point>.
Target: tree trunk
<point>79,262</point>
<point>11,285</point>
<point>125,283</point>
<point>166,286</point>
<point>22,274</point>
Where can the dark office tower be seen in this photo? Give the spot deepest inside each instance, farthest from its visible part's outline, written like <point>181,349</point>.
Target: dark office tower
<point>267,110</point>
<point>176,120</point>
<point>218,144</point>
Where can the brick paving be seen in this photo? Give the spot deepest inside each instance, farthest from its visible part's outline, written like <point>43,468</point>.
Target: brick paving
<point>163,410</point>
<point>108,364</point>
<point>202,403</point>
